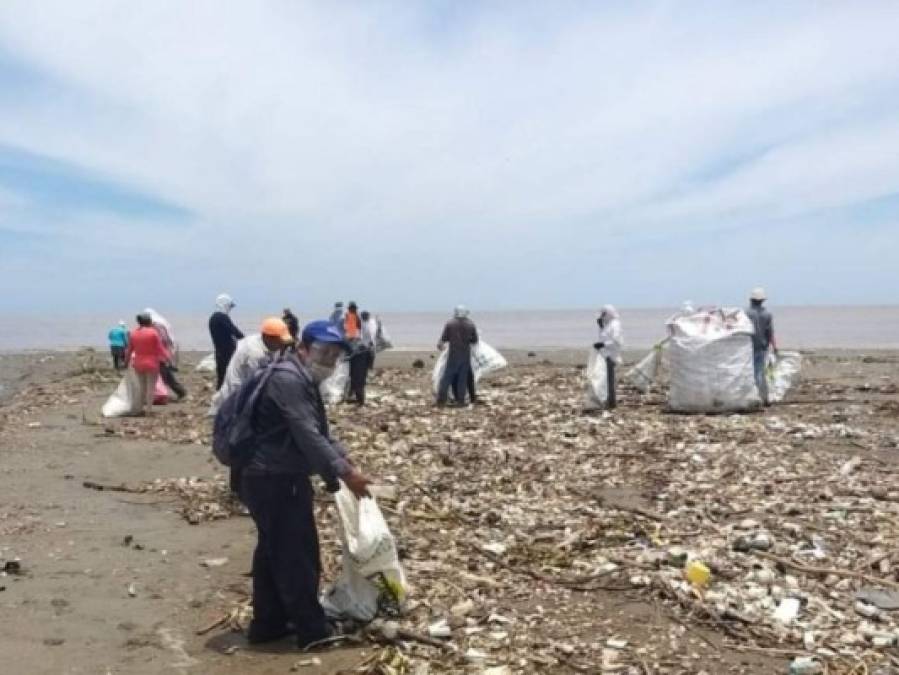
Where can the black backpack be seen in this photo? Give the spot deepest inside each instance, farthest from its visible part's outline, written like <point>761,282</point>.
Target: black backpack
<point>233,438</point>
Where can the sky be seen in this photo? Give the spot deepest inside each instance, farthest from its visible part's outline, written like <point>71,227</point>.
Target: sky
<point>416,155</point>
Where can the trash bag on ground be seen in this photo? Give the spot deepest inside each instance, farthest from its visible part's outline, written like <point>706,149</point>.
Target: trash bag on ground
<point>597,381</point>
<point>334,389</point>
<point>781,373</point>
<point>484,360</point>
<point>710,356</point>
<point>123,399</point>
<point>646,371</point>
<point>206,365</point>
<point>372,580</point>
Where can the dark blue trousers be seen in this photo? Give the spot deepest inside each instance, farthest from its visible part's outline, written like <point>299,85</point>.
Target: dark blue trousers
<point>455,375</point>
<point>286,563</point>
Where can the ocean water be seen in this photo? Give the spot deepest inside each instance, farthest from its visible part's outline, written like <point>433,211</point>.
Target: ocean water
<point>874,327</point>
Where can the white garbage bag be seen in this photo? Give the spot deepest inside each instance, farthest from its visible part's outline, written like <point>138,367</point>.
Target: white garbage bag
<point>372,580</point>
<point>333,390</point>
<point>781,373</point>
<point>439,369</point>
<point>206,365</point>
<point>251,355</point>
<point>484,360</point>
<point>646,371</point>
<point>710,355</point>
<point>597,381</point>
<point>123,400</point>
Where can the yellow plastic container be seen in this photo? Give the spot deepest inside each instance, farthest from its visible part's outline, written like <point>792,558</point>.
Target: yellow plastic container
<point>697,573</point>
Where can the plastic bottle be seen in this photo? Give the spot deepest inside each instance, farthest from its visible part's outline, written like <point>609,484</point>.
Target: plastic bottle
<point>805,665</point>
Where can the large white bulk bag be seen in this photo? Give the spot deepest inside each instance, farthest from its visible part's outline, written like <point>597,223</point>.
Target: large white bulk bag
<point>484,360</point>
<point>710,357</point>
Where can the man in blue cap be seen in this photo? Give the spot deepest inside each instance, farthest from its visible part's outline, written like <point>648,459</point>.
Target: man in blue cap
<point>294,443</point>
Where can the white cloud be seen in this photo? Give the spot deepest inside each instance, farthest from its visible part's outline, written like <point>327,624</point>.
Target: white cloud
<point>387,124</point>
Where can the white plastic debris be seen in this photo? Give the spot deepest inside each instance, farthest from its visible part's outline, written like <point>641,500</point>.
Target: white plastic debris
<point>787,610</point>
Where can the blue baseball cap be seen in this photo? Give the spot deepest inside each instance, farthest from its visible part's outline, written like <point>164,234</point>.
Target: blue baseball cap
<point>323,331</point>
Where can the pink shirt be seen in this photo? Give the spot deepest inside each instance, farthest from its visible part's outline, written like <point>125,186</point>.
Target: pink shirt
<point>145,349</point>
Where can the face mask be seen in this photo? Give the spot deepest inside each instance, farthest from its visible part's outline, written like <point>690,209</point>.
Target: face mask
<point>320,372</point>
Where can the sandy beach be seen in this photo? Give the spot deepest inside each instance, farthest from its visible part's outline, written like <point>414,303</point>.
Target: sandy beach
<point>588,509</point>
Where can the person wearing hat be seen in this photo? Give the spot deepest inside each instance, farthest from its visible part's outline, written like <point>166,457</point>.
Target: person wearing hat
<point>144,353</point>
<point>293,323</point>
<point>352,323</point>
<point>337,315</point>
<point>459,334</point>
<point>118,341</point>
<point>294,443</point>
<point>762,339</point>
<point>252,352</point>
<point>167,369</point>
<point>360,354</point>
<point>224,335</point>
<point>609,347</point>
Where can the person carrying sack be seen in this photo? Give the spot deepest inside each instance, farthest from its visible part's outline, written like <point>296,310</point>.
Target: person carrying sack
<point>293,442</point>
<point>609,347</point>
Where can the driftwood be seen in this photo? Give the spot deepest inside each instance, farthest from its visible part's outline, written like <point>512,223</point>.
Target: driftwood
<point>809,569</point>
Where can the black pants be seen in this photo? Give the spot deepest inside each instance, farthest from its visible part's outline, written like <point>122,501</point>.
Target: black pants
<point>235,480</point>
<point>359,366</point>
<point>118,357</point>
<point>168,376</point>
<point>610,376</point>
<point>222,359</point>
<point>286,563</point>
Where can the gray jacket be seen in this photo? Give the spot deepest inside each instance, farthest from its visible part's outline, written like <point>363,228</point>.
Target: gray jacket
<point>764,327</point>
<point>292,425</point>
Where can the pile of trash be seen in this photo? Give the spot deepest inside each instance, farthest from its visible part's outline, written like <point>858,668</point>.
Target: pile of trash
<point>200,500</point>
<point>531,536</point>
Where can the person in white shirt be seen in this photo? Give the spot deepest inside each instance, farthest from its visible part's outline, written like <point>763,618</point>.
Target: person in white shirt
<point>253,352</point>
<point>609,345</point>
<point>370,336</point>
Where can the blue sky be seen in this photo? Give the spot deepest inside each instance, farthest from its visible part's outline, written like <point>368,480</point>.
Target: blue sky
<point>417,155</point>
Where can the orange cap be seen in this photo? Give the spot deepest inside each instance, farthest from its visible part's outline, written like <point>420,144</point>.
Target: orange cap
<point>275,327</point>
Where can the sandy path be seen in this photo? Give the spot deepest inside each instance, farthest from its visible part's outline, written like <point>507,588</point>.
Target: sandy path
<point>71,611</point>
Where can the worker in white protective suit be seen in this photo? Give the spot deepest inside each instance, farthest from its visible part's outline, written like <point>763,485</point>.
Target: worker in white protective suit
<point>609,346</point>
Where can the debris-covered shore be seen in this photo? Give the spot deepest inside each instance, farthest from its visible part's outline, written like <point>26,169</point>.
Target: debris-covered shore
<point>518,519</point>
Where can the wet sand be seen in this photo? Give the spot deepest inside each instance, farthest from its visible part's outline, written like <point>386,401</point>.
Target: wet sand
<point>112,582</point>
